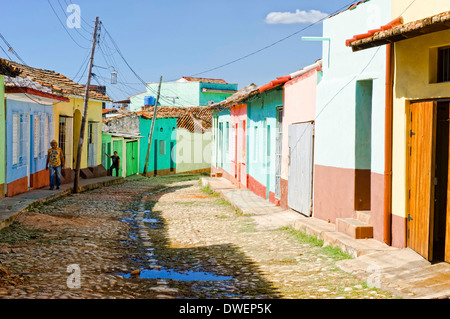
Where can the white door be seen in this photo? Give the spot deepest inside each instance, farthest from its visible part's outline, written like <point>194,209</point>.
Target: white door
<point>300,187</point>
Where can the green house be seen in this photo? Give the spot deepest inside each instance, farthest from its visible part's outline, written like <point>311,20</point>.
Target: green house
<point>6,69</point>
<point>121,134</point>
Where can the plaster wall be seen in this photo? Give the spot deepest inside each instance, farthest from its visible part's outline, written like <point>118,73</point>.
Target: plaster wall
<point>415,61</point>
<point>299,106</point>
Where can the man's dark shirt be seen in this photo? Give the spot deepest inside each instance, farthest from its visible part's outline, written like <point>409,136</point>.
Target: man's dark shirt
<point>115,161</point>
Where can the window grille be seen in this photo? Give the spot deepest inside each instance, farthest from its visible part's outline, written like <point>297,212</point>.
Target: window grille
<point>92,143</point>
<point>66,139</point>
<point>444,64</point>
<point>36,144</point>
<point>15,139</point>
<point>46,132</point>
<point>23,144</point>
<point>162,147</point>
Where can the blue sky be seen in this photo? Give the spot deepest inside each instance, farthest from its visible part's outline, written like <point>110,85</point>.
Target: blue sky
<point>172,38</point>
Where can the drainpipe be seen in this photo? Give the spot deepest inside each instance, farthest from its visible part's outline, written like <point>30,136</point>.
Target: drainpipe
<point>388,145</point>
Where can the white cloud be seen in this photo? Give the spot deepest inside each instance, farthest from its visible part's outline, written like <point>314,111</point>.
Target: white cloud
<point>299,16</point>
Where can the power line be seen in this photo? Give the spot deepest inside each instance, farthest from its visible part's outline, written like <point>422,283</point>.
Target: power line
<point>81,66</point>
<point>233,61</point>
<point>10,48</point>
<point>274,43</point>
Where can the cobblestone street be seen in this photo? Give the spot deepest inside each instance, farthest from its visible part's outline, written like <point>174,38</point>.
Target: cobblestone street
<point>164,237</point>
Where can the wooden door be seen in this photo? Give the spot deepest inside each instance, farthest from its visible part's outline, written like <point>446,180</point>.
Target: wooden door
<point>421,177</point>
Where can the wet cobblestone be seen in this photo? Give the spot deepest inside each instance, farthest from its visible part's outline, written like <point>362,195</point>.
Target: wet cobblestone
<point>168,224</point>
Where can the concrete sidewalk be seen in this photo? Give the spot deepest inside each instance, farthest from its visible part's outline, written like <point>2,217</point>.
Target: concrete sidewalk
<point>402,272</point>
<point>10,207</point>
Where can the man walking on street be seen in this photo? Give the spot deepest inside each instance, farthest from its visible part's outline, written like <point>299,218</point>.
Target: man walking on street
<point>55,162</point>
<point>115,163</point>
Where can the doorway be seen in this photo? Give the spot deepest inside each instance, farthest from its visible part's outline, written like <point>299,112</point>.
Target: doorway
<point>363,144</point>
<point>441,181</point>
<point>427,231</point>
<point>278,152</point>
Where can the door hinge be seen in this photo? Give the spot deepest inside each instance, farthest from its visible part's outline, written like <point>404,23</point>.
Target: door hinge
<point>411,133</point>
<point>409,217</point>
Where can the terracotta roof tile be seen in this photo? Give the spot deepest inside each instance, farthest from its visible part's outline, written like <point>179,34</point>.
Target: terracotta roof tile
<point>193,119</point>
<point>8,69</point>
<point>56,81</point>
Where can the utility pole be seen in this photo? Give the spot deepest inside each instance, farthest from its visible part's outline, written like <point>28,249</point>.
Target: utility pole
<point>83,120</point>
<point>150,138</point>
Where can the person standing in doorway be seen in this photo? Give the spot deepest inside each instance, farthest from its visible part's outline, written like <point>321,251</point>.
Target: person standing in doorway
<point>55,162</point>
<point>115,163</point>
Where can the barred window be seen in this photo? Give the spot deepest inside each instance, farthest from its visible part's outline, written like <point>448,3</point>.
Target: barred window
<point>162,147</point>
<point>443,65</point>
<point>36,140</point>
<point>15,139</point>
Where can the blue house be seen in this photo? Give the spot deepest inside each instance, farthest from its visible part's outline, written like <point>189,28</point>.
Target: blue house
<point>29,114</point>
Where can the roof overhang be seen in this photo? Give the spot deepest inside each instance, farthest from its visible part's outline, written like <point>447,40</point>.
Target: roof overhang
<point>124,135</point>
<point>122,102</point>
<point>439,22</point>
<point>20,93</point>
<point>205,90</point>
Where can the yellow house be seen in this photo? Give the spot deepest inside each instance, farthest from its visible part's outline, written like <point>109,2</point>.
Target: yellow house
<point>67,118</point>
<point>420,124</point>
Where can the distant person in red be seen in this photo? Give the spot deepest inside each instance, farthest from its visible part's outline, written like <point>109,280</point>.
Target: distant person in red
<point>115,163</point>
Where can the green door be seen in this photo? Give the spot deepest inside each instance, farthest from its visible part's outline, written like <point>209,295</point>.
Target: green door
<point>117,147</point>
<point>132,158</point>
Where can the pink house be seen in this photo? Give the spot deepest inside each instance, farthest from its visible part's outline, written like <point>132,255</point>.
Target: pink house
<point>299,108</point>
<point>238,145</point>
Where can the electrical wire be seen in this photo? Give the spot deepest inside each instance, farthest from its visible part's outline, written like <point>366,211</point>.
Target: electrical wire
<point>10,48</point>
<point>274,43</point>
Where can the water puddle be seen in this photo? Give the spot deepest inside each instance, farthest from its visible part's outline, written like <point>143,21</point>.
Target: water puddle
<point>150,220</point>
<point>136,220</point>
<point>181,276</point>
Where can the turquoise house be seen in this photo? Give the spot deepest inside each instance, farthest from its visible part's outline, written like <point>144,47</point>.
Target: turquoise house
<point>185,92</point>
<point>160,161</point>
<point>181,140</point>
<point>263,116</point>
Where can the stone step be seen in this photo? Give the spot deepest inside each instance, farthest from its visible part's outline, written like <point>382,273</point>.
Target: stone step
<point>354,228</point>
<point>364,216</point>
